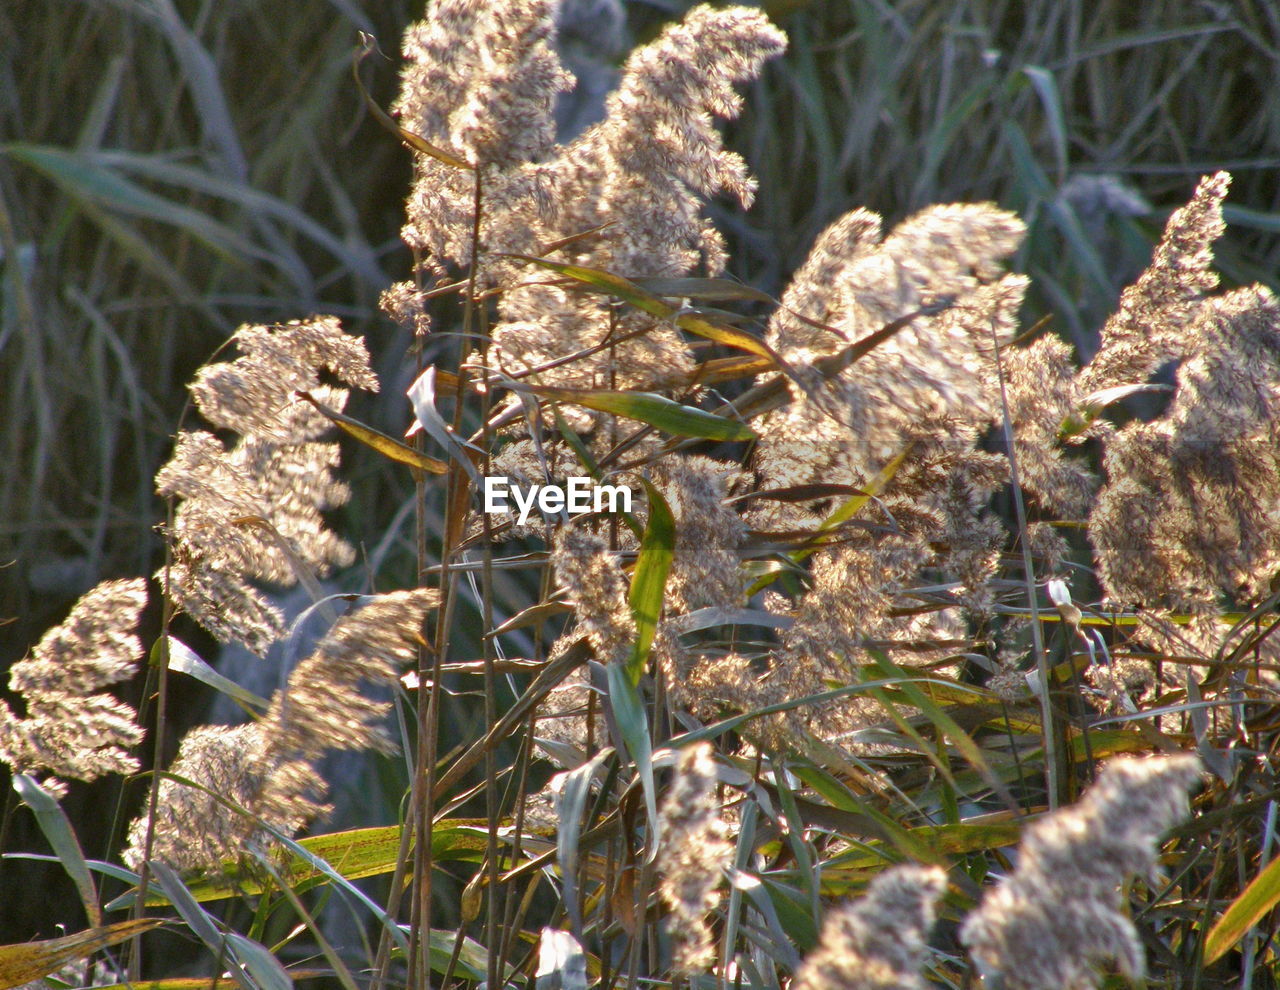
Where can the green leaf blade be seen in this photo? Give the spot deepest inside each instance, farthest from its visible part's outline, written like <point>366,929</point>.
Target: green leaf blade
<point>1253,904</point>
<point>656,410</point>
<point>649,581</point>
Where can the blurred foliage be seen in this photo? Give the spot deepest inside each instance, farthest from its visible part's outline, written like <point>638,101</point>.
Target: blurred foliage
<point>170,170</point>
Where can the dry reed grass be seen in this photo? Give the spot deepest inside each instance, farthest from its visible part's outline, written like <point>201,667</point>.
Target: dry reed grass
<point>869,679</point>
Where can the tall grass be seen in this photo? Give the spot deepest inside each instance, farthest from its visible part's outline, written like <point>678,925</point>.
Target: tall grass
<point>865,638</point>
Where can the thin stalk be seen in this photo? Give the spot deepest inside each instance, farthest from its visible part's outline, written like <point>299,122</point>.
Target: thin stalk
<point>382,963</point>
<point>421,804</point>
<point>1048,736</point>
<point>493,934</point>
<point>10,808</point>
<point>521,797</point>
<point>153,794</point>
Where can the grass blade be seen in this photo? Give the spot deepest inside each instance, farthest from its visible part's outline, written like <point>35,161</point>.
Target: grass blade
<point>415,141</point>
<point>57,829</point>
<point>388,447</point>
<point>201,923</point>
<point>29,961</point>
<point>1253,904</point>
<point>84,179</point>
<point>649,581</point>
<point>633,724</point>
<point>184,659</point>
<point>630,292</point>
<point>649,407</point>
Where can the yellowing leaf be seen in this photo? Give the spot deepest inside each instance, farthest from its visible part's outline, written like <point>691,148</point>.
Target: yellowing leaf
<point>355,853</point>
<point>383,444</point>
<point>416,141</point>
<point>27,961</point>
<point>630,292</point>
<point>1253,904</point>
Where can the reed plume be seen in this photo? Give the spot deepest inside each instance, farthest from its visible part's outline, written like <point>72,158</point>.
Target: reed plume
<point>1049,924</point>
<point>693,852</point>
<point>252,513</point>
<point>71,727</point>
<point>263,777</point>
<point>879,941</point>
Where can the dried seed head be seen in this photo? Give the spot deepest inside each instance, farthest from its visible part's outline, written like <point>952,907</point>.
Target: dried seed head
<point>1190,509</point>
<point>197,829</point>
<point>406,304</point>
<point>934,377</point>
<point>877,942</point>
<point>482,79</point>
<point>71,728</point>
<point>1058,915</point>
<point>706,569</point>
<point>254,394</point>
<point>598,592</point>
<point>1150,327</point>
<point>693,852</point>
<point>1040,383</point>
<point>268,769</point>
<point>253,512</point>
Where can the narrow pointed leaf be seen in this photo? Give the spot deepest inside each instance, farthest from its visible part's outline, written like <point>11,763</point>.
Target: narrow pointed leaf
<point>357,256</point>
<point>730,369</point>
<point>1254,903</point>
<point>873,488</point>
<point>26,962</point>
<point>352,854</point>
<point>184,659</point>
<point>628,711</point>
<point>85,179</point>
<point>388,447</point>
<point>649,581</point>
<point>711,289</point>
<point>562,965</point>
<point>945,725</point>
<point>571,791</point>
<point>97,865</point>
<point>581,235</point>
<point>843,514</point>
<point>630,292</point>
<point>649,407</point>
<point>415,141</point>
<point>201,923</point>
<point>57,829</point>
<point>422,394</point>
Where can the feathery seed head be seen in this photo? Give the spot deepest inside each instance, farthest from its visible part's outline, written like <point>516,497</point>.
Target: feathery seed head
<point>598,591</point>
<point>1057,916</point>
<point>249,511</point>
<point>693,852</point>
<point>71,728</point>
<point>1149,328</point>
<point>267,770</point>
<point>879,941</point>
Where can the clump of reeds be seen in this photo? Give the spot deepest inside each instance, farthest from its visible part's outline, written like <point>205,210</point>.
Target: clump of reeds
<point>835,624</point>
